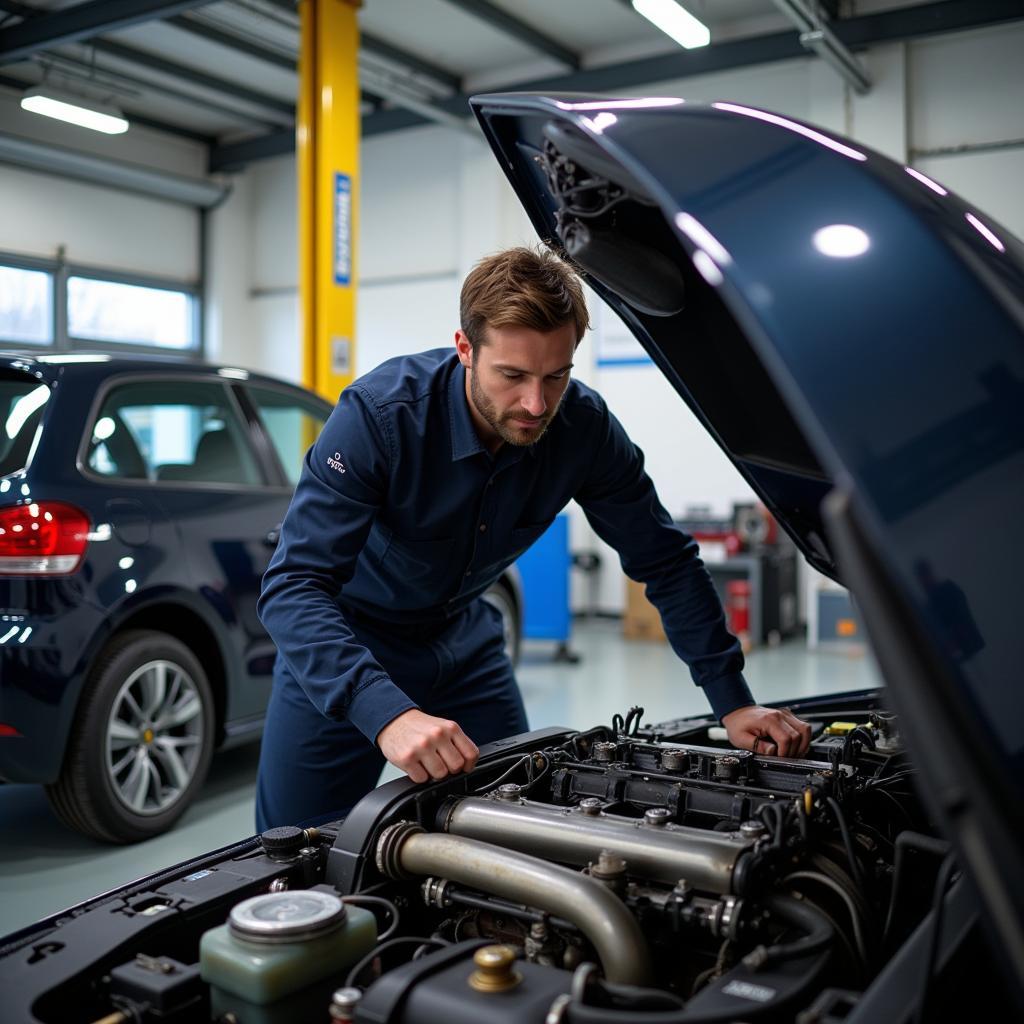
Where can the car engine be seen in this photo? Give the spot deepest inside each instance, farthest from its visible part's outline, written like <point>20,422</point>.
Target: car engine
<point>622,873</point>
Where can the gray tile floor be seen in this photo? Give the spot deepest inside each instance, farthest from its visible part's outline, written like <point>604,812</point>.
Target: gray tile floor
<point>45,868</point>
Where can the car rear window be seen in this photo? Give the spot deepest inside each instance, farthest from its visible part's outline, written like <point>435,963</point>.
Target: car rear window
<point>22,400</point>
<point>183,432</point>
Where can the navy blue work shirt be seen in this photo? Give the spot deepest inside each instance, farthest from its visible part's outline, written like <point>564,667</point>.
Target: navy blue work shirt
<point>402,516</point>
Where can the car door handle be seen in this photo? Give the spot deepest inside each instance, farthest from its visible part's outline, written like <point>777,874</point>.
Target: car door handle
<point>273,536</point>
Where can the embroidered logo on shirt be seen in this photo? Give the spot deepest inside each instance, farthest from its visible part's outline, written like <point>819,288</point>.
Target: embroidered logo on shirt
<point>336,464</point>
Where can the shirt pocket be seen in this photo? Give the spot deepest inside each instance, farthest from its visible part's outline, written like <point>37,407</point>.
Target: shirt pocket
<point>418,562</point>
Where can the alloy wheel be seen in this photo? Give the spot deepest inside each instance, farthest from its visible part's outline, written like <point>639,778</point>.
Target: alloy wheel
<point>154,737</point>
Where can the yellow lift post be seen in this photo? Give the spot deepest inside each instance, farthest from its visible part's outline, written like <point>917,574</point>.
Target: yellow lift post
<point>327,147</point>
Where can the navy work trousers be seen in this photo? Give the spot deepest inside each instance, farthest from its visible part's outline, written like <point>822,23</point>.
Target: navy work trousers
<point>313,769</point>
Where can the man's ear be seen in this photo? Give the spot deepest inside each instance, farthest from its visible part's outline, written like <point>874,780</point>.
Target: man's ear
<point>464,349</point>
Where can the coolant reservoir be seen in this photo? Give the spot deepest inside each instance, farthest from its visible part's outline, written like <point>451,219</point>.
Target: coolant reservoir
<point>279,943</point>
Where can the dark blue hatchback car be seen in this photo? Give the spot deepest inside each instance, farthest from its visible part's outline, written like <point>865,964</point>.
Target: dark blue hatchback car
<point>139,505</point>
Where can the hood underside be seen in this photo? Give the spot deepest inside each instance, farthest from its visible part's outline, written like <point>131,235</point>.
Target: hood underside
<point>840,324</point>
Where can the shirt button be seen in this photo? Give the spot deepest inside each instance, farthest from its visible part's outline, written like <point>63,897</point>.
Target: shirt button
<point>483,527</point>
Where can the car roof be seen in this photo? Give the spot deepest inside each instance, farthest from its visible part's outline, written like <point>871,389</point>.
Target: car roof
<point>50,366</point>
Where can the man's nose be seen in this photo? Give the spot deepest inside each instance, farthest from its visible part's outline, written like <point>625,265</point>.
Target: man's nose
<point>533,400</point>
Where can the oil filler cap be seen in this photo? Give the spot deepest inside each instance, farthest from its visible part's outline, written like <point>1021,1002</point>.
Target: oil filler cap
<point>291,916</point>
<point>285,841</point>
<point>495,969</point>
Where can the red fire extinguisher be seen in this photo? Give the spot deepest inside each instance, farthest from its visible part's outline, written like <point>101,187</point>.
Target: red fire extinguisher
<point>737,610</point>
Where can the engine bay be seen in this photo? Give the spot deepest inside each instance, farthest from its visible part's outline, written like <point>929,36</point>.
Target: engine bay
<point>621,873</point>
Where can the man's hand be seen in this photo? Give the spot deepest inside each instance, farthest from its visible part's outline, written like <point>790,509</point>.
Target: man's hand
<point>768,731</point>
<point>425,747</point>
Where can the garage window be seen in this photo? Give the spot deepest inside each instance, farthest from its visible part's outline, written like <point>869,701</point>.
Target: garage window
<point>26,306</point>
<point>131,314</point>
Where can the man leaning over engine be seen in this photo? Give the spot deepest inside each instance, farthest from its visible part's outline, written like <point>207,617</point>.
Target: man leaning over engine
<point>433,474</point>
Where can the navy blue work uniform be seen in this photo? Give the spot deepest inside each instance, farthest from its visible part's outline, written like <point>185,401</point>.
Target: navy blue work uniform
<point>400,521</point>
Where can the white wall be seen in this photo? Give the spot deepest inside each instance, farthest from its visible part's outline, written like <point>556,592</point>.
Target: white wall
<point>434,201</point>
<point>97,226</point>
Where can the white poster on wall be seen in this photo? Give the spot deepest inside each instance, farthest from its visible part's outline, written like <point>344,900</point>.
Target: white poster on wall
<point>615,343</point>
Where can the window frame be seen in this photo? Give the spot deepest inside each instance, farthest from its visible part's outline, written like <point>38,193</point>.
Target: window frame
<point>119,482</point>
<point>63,341</point>
<point>252,408</point>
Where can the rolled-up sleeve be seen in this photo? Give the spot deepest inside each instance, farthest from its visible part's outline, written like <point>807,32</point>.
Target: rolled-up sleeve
<point>619,500</point>
<point>343,482</point>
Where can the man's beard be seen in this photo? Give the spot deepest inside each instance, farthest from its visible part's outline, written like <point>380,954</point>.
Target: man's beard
<point>502,424</point>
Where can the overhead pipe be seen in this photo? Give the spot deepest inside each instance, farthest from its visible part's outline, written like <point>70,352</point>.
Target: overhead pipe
<point>815,35</point>
<point>97,170</point>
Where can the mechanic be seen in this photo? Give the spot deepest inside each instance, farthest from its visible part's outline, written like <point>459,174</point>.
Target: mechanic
<point>434,472</point>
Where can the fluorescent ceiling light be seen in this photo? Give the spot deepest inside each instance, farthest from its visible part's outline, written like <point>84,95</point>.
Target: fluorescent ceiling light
<point>78,110</point>
<point>675,22</point>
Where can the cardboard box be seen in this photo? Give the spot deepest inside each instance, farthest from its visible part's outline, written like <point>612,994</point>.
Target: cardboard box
<point>641,621</point>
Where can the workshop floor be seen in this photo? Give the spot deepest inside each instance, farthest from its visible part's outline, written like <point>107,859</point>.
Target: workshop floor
<point>45,868</point>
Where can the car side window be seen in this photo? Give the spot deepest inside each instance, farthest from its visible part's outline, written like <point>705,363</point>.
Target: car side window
<point>293,424</point>
<point>172,431</point>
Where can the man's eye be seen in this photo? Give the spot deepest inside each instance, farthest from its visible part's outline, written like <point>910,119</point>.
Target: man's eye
<point>511,376</point>
<point>558,376</point>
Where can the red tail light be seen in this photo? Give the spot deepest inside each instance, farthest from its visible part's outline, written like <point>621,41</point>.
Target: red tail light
<point>46,538</point>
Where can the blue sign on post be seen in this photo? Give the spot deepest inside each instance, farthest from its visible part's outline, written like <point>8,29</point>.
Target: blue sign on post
<point>342,229</point>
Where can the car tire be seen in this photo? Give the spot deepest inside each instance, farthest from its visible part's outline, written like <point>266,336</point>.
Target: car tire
<point>141,743</point>
<point>500,597</point>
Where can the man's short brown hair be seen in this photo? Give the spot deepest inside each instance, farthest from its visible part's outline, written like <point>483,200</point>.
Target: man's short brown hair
<point>521,287</point>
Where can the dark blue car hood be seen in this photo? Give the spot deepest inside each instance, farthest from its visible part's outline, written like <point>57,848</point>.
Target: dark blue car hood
<point>839,323</point>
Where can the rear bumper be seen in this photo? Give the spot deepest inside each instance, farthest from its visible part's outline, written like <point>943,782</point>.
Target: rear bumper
<point>42,672</point>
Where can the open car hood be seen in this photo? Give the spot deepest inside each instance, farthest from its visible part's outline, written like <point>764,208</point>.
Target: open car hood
<point>845,328</point>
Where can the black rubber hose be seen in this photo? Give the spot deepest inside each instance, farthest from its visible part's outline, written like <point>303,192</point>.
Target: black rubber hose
<point>855,870</point>
<point>818,932</point>
<point>818,937</point>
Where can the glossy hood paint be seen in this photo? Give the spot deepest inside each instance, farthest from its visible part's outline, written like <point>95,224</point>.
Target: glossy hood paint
<point>844,324</point>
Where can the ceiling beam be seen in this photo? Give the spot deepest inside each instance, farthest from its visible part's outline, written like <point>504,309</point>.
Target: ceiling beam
<point>382,48</point>
<point>233,42</point>
<point>234,156</point>
<point>188,74</point>
<point>9,82</point>
<point>864,30</point>
<point>72,24</point>
<point>500,19</point>
<point>870,29</point>
<point>85,70</point>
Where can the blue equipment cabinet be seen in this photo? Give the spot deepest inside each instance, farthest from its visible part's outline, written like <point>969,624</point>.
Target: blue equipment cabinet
<point>544,569</point>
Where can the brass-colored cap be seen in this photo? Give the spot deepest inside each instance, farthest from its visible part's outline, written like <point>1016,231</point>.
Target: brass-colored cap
<point>495,969</point>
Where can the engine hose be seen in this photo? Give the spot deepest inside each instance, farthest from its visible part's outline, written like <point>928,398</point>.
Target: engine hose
<point>632,1001</point>
<point>819,932</point>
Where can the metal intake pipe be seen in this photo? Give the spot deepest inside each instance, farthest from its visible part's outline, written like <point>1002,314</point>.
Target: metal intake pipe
<point>405,850</point>
<point>660,852</point>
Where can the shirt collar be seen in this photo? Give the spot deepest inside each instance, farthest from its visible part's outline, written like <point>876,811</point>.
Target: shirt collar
<point>465,440</point>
